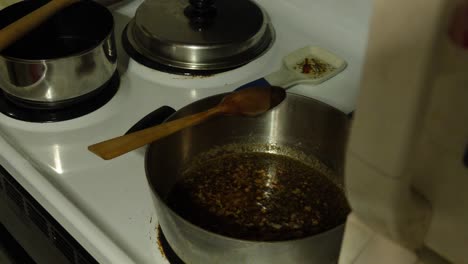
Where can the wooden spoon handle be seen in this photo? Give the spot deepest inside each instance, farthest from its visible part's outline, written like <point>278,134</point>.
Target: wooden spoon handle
<point>19,28</point>
<point>115,147</point>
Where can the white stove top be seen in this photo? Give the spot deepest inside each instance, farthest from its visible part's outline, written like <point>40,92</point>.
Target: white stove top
<point>106,205</point>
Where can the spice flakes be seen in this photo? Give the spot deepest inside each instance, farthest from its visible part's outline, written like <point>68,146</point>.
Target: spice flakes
<point>313,67</point>
<point>259,196</point>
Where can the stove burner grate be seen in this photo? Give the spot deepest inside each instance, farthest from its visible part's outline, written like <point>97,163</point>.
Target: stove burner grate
<point>25,111</point>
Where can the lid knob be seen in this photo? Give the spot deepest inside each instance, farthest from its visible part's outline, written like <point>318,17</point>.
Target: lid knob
<point>201,13</point>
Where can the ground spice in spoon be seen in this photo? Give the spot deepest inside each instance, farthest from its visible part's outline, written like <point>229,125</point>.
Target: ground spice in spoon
<point>313,67</point>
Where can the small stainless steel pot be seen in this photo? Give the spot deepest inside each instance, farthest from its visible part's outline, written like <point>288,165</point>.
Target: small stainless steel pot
<point>306,126</point>
<point>67,57</point>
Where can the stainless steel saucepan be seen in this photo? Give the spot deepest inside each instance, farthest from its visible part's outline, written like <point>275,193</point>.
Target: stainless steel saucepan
<point>67,57</point>
<point>300,127</point>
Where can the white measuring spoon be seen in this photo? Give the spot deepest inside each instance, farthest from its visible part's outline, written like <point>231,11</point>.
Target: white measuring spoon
<point>291,74</point>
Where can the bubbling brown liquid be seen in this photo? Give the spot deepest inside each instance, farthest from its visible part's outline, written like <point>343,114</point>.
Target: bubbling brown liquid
<point>260,197</point>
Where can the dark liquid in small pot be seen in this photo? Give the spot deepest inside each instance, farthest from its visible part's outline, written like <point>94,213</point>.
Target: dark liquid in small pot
<point>259,196</point>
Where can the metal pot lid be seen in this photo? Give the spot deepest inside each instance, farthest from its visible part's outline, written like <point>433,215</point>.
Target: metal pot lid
<point>200,34</point>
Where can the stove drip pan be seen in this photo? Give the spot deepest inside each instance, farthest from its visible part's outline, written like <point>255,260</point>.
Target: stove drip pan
<point>39,112</point>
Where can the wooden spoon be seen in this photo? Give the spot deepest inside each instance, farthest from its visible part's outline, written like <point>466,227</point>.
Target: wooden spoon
<point>248,102</point>
<point>22,26</point>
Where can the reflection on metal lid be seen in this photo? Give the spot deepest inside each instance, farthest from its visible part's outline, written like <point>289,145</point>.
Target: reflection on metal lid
<point>166,32</point>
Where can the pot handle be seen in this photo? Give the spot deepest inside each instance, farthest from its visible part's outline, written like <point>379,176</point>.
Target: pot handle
<point>280,78</point>
<point>154,118</point>
<point>258,82</point>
